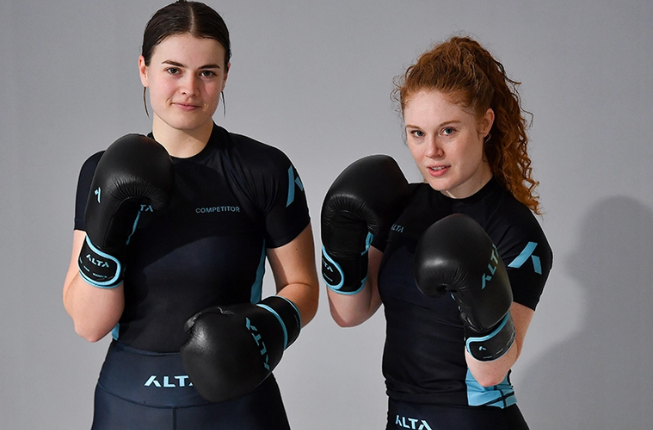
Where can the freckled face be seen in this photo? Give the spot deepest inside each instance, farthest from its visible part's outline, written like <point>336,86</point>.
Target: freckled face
<point>446,142</point>
<point>185,78</point>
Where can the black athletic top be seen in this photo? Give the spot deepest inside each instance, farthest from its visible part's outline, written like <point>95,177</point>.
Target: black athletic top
<point>423,360</point>
<point>230,202</point>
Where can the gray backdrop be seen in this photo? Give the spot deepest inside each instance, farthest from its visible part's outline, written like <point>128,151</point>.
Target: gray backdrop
<point>313,78</point>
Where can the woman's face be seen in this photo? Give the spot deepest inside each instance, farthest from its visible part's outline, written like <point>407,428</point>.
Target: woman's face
<point>446,142</point>
<point>185,77</point>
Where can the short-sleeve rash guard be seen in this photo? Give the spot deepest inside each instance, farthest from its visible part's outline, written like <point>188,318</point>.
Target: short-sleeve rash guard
<point>423,359</point>
<point>230,202</point>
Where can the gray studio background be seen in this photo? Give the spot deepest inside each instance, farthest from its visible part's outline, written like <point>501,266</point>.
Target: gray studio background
<point>313,78</point>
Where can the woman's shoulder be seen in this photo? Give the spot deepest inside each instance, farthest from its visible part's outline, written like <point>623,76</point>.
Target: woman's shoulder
<point>89,166</point>
<point>261,155</point>
<point>521,226</point>
<point>254,144</point>
<point>95,158</point>
<point>517,211</point>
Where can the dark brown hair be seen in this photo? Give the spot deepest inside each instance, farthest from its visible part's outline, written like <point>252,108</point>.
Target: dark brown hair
<point>183,17</point>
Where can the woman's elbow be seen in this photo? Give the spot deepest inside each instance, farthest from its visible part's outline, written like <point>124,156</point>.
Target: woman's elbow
<point>488,381</point>
<point>308,313</point>
<point>345,320</point>
<point>91,334</point>
<point>350,310</point>
<point>344,323</point>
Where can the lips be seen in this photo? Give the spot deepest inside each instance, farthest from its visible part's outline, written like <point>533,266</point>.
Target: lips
<point>187,106</point>
<point>437,171</point>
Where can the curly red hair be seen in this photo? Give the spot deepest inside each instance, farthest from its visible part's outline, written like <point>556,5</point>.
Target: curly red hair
<point>461,68</point>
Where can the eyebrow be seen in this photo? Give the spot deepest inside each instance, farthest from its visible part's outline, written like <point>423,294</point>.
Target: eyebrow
<point>453,121</point>
<point>176,64</point>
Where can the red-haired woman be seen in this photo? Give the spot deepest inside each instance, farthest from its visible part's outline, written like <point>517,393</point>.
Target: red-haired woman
<point>459,261</point>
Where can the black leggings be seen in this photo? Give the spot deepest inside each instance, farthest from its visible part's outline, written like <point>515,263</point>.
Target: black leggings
<point>139,390</point>
<point>405,415</point>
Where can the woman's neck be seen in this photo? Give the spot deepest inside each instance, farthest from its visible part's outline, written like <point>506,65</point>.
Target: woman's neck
<point>472,185</point>
<point>181,143</point>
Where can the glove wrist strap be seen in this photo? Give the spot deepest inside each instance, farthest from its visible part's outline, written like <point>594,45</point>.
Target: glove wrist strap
<point>346,273</point>
<point>287,314</point>
<point>98,268</point>
<point>493,345</point>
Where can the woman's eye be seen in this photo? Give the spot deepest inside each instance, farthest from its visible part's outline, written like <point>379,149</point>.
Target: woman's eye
<point>417,133</point>
<point>172,70</point>
<point>448,131</point>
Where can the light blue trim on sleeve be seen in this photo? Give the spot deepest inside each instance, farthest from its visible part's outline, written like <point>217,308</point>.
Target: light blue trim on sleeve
<point>257,286</point>
<point>537,265</point>
<point>501,395</point>
<point>523,256</point>
<point>292,181</point>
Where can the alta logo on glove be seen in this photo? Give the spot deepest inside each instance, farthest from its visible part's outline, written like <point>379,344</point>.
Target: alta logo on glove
<point>331,272</point>
<point>97,262</point>
<point>492,267</point>
<point>259,341</point>
<point>98,268</point>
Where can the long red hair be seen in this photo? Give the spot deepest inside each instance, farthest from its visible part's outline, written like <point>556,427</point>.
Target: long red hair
<point>461,68</point>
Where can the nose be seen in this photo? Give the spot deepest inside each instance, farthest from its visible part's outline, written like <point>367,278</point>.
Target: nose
<point>433,149</point>
<point>189,85</point>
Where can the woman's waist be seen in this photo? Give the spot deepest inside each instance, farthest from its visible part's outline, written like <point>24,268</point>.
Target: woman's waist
<point>146,377</point>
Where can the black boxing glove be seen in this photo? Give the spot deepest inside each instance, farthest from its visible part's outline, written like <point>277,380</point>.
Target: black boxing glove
<point>362,202</point>
<point>135,173</point>
<point>232,349</point>
<point>455,255</point>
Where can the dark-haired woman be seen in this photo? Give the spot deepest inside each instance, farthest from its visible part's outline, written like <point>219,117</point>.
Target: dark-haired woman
<point>191,230</point>
<point>456,322</point>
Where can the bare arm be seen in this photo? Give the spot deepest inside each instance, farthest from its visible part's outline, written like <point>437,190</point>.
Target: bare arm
<point>293,266</point>
<point>489,373</point>
<point>349,310</point>
<point>95,311</point>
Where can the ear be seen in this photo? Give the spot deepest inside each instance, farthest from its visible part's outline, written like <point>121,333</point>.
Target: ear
<point>142,70</point>
<point>226,75</point>
<point>486,122</point>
